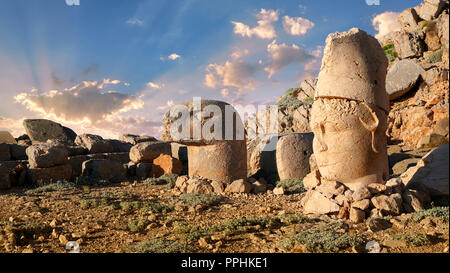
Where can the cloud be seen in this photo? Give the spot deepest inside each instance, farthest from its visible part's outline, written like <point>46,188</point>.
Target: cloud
<point>85,102</point>
<point>135,21</point>
<point>171,57</point>
<point>154,85</point>
<point>283,55</point>
<point>174,56</point>
<point>385,23</point>
<point>236,73</point>
<point>264,29</point>
<point>297,25</point>
<point>225,92</point>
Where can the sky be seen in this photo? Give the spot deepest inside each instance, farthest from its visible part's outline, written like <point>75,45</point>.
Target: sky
<point>111,67</point>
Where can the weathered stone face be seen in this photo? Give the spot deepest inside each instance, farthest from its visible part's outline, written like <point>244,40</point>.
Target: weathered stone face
<point>146,152</point>
<point>344,148</point>
<point>41,176</point>
<point>104,169</point>
<point>95,144</point>
<point>348,116</point>
<point>224,161</point>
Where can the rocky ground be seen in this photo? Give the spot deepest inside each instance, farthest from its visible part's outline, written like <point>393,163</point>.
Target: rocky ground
<point>140,216</point>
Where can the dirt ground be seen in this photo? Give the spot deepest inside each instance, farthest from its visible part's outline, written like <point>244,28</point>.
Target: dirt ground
<point>118,218</point>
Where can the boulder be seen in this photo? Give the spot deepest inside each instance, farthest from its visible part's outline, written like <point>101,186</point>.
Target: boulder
<point>5,153</point>
<point>307,89</point>
<point>42,176</point>
<point>443,31</point>
<point>408,19</point>
<point>431,173</point>
<point>179,151</point>
<point>120,146</point>
<point>432,39</point>
<point>261,154</point>
<point>199,186</point>
<point>218,187</point>
<point>146,152</point>
<point>5,182</point>
<point>6,137</point>
<point>316,203</point>
<point>41,130</point>
<point>402,77</point>
<point>408,44</point>
<point>134,139</point>
<point>76,162</point>
<point>413,201</point>
<point>292,155</point>
<point>104,169</point>
<point>430,9</point>
<point>17,174</point>
<point>46,155</point>
<point>166,164</point>
<point>94,144</point>
<point>388,205</point>
<point>144,170</point>
<point>18,152</point>
<point>259,187</point>
<point>361,193</point>
<point>76,150</point>
<point>357,215</point>
<point>239,186</point>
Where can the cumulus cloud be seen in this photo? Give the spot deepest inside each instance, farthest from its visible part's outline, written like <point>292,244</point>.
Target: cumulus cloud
<point>225,92</point>
<point>169,104</point>
<point>171,57</point>
<point>154,85</point>
<point>264,29</point>
<point>297,25</point>
<point>236,73</point>
<point>88,101</point>
<point>385,23</point>
<point>135,21</point>
<point>282,55</point>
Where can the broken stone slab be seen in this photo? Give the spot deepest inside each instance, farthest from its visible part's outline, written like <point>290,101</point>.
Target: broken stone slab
<point>307,89</point>
<point>413,200</point>
<point>443,31</point>
<point>408,44</point>
<point>41,130</point>
<point>179,151</point>
<point>46,155</point>
<point>18,152</point>
<point>76,162</point>
<point>94,144</point>
<point>218,187</point>
<point>261,154</point>
<point>6,137</point>
<point>42,176</point>
<point>199,186</point>
<point>120,146</point>
<point>239,186</point>
<point>77,150</point>
<point>17,174</point>
<point>357,215</point>
<point>135,139</point>
<point>292,155</point>
<point>402,77</point>
<point>430,9</point>
<point>432,39</point>
<point>408,19</point>
<point>388,205</point>
<point>146,152</point>
<point>316,203</point>
<point>5,153</point>
<point>5,182</point>
<point>431,173</point>
<point>144,170</point>
<point>166,164</point>
<point>104,169</point>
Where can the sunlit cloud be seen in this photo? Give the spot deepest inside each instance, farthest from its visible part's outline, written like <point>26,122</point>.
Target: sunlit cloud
<point>385,23</point>
<point>297,25</point>
<point>264,29</point>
